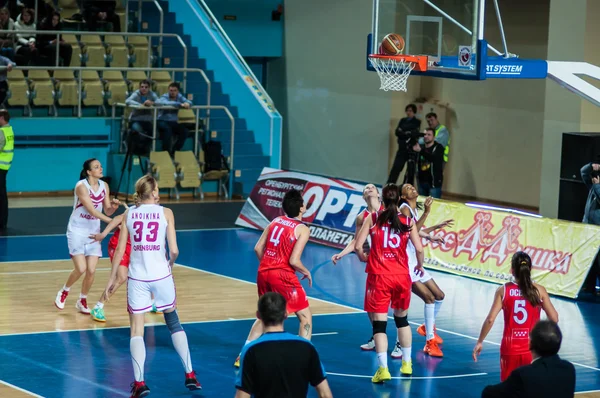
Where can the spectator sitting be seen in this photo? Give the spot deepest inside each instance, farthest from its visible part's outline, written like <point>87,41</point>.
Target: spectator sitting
<point>3,75</point>
<point>279,364</point>
<point>97,12</point>
<point>6,39</point>
<point>47,42</point>
<point>141,119</point>
<point>27,51</point>
<point>547,376</point>
<point>168,119</point>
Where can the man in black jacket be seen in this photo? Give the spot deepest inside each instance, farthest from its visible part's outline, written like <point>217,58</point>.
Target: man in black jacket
<point>547,376</point>
<point>430,165</point>
<point>406,126</point>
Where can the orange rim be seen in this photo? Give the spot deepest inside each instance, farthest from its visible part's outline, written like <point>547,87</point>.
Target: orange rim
<point>420,61</point>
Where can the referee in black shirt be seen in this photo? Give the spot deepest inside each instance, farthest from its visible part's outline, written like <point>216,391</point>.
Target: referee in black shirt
<point>279,364</point>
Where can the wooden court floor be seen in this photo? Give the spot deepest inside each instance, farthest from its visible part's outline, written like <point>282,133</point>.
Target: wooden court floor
<point>28,290</point>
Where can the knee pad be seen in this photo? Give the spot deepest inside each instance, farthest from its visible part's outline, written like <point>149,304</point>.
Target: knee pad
<point>401,321</point>
<point>172,320</point>
<point>379,327</point>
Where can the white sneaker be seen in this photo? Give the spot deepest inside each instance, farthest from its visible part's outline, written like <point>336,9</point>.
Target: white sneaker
<point>82,306</point>
<point>61,297</point>
<point>369,346</point>
<point>397,353</point>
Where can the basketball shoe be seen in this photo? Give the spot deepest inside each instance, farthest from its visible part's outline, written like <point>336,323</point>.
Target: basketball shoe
<point>139,389</point>
<point>98,314</point>
<point>191,382</point>
<point>432,349</point>
<point>82,306</point>
<point>397,352</point>
<point>422,331</point>
<point>382,374</point>
<point>369,345</point>
<point>237,362</point>
<point>406,368</point>
<point>61,297</point>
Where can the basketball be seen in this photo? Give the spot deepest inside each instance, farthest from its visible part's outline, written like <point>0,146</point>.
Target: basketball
<point>392,44</point>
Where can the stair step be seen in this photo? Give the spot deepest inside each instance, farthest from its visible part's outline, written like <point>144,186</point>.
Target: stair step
<point>242,149</point>
<point>224,123</point>
<point>241,136</point>
<point>250,162</point>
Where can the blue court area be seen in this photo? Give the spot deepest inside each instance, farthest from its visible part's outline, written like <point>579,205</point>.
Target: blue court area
<point>96,363</point>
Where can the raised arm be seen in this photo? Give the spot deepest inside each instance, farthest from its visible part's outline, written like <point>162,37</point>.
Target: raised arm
<point>295,261</point>
<point>84,197</point>
<point>350,246</point>
<point>489,322</point>
<point>116,222</point>
<point>171,236</point>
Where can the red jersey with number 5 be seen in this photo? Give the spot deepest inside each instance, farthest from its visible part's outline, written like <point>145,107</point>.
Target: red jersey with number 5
<point>388,248</point>
<point>519,319</point>
<point>281,239</point>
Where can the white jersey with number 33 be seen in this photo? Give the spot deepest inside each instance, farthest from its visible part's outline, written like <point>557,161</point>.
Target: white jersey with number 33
<point>147,228</point>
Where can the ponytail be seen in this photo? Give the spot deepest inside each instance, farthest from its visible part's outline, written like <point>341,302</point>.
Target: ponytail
<point>391,197</point>
<point>136,199</point>
<point>87,166</point>
<point>521,269</point>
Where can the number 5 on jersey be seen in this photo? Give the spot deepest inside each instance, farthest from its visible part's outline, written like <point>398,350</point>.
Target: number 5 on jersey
<point>151,230</point>
<point>520,309</point>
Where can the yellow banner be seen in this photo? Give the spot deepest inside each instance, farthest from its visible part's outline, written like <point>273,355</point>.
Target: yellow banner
<point>481,243</point>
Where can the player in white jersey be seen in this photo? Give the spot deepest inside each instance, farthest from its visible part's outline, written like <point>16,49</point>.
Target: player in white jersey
<point>424,286</point>
<point>92,196</point>
<point>150,227</point>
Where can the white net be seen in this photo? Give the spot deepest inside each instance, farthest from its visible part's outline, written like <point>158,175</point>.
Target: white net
<point>393,73</point>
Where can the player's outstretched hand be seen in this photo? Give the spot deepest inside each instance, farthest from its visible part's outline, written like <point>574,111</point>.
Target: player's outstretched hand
<point>436,239</point>
<point>428,203</point>
<point>335,258</point>
<point>309,277</point>
<point>477,350</point>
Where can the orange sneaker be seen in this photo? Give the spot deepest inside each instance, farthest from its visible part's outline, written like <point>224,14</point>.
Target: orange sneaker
<point>422,331</point>
<point>432,349</point>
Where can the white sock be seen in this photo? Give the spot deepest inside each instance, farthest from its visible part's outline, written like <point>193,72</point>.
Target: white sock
<point>429,320</point>
<point>382,358</point>
<point>406,353</point>
<point>138,356</point>
<point>180,343</point>
<point>82,296</point>
<point>438,305</point>
<point>65,288</point>
<point>99,305</point>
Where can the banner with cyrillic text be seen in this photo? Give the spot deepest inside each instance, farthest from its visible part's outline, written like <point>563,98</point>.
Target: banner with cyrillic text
<point>479,245</point>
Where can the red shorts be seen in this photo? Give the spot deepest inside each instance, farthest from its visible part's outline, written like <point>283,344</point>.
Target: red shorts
<point>112,247</point>
<point>385,289</point>
<point>285,283</point>
<point>508,363</point>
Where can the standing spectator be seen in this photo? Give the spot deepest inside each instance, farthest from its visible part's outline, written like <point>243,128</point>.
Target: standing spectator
<point>442,135</point>
<point>141,119</point>
<point>430,165</point>
<point>406,126</point>
<point>7,143</point>
<point>97,12</point>
<point>547,376</point>
<point>47,43</point>
<point>279,364</point>
<point>590,174</point>
<point>168,120</point>
<point>3,75</point>
<point>7,40</point>
<point>27,51</point>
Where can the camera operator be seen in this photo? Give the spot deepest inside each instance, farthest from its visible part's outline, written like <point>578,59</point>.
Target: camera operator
<point>407,133</point>
<point>431,165</point>
<point>590,174</point>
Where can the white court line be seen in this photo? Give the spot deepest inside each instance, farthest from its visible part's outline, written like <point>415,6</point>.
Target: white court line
<point>47,272</point>
<point>179,230</point>
<point>411,377</point>
<point>99,329</point>
<point>586,392</point>
<point>20,389</point>
<point>324,334</point>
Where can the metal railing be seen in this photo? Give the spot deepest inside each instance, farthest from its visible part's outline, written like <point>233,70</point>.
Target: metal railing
<point>197,108</point>
<point>139,15</point>
<point>86,33</point>
<point>104,69</point>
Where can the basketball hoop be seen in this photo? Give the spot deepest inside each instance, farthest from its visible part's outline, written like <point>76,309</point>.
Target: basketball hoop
<point>393,70</point>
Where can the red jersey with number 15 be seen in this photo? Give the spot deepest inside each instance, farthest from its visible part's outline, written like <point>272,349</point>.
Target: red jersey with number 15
<point>519,319</point>
<point>281,239</point>
<point>388,248</point>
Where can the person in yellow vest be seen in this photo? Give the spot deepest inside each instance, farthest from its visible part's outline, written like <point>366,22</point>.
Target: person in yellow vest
<point>442,135</point>
<point>7,145</point>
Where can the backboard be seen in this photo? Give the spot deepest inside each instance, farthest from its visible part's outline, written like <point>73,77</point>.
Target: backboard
<point>451,34</point>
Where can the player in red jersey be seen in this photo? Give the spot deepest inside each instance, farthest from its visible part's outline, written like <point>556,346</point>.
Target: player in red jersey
<point>279,250</point>
<point>388,276</point>
<point>522,302</point>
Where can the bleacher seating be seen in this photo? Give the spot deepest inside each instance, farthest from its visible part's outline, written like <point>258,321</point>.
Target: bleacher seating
<point>18,88</point>
<point>163,169</point>
<point>188,170</point>
<point>93,50</point>
<point>41,87</point>
<point>66,87</point>
<point>117,51</point>
<point>115,86</point>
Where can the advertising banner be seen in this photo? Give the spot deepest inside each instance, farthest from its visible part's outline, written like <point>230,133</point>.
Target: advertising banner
<point>479,245</point>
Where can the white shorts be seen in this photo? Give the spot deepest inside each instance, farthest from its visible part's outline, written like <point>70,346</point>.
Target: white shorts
<point>83,244</point>
<point>424,278</point>
<point>139,295</point>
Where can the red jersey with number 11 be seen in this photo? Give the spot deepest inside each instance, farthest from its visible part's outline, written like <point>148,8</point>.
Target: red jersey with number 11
<point>519,319</point>
<point>281,239</point>
<point>388,248</point>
